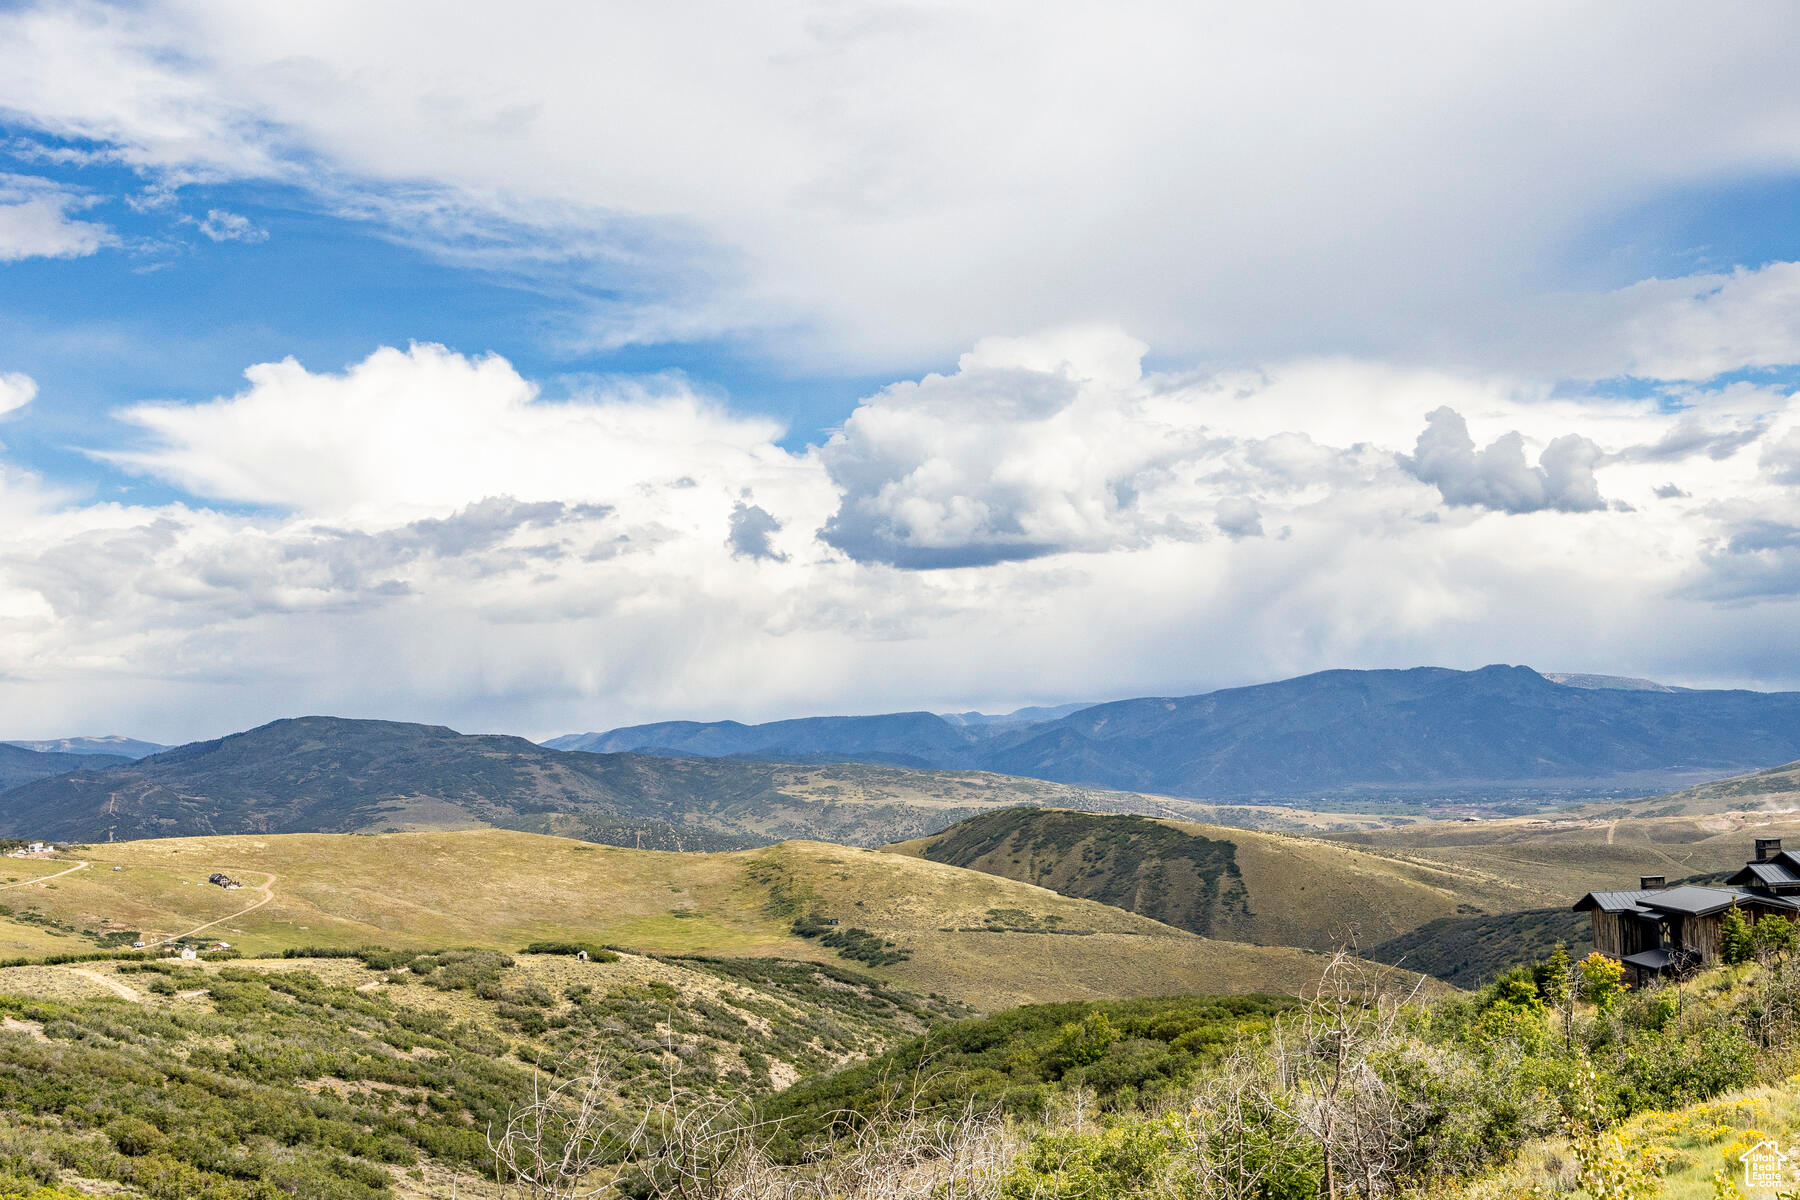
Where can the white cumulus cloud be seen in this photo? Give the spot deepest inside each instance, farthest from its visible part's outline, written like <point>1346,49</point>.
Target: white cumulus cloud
<point>1498,476</point>
<point>425,430</point>
<point>35,221</point>
<point>16,391</point>
<point>429,535</point>
<point>221,225</point>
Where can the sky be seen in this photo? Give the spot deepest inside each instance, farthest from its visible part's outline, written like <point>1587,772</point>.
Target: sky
<point>541,368</point>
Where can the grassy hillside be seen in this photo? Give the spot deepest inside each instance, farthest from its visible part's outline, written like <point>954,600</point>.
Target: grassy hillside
<point>1559,858</point>
<point>1468,951</point>
<point>344,1079</point>
<point>1124,1051</point>
<point>325,775</point>
<point>1511,1092</point>
<point>327,1079</point>
<point>1257,887</point>
<point>1775,790</point>
<point>978,938</point>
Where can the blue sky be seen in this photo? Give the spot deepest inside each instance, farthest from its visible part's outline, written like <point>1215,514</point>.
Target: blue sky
<point>171,313</point>
<point>573,367</point>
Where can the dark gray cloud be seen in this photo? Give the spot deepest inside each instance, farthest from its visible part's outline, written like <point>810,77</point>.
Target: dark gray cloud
<point>1688,438</point>
<point>353,558</point>
<point>1498,477</point>
<point>1782,459</point>
<point>1759,560</point>
<point>489,521</point>
<point>1670,491</point>
<point>751,528</point>
<point>1239,518</point>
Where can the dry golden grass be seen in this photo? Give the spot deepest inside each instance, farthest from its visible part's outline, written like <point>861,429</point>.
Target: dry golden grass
<point>1688,1144</point>
<point>1308,892</point>
<point>1302,891</point>
<point>503,889</point>
<point>1557,859</point>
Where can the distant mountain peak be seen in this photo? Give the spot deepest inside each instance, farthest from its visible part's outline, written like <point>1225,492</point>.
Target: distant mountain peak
<point>1019,716</point>
<point>1333,731</point>
<point>110,744</point>
<point>1608,683</point>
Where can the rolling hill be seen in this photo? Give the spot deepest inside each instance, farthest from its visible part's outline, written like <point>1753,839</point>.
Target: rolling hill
<point>324,774</point>
<point>1774,789</point>
<point>1468,951</point>
<point>1559,857</point>
<point>19,765</point>
<point>925,926</point>
<point>1263,888</point>
<point>1381,732</point>
<point>296,1064</point>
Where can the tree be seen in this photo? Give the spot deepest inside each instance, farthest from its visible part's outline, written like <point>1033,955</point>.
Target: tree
<point>1327,1063</point>
<point>1082,1043</point>
<point>1774,937</point>
<point>563,1141</point>
<point>1602,980</point>
<point>1242,1146</point>
<point>1735,939</point>
<point>1552,976</point>
<point>1561,982</point>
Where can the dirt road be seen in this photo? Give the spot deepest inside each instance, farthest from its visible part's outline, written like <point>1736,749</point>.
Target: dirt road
<point>43,878</point>
<point>268,894</point>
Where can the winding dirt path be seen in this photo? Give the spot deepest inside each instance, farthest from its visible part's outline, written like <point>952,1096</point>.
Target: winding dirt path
<point>118,989</point>
<point>268,894</point>
<point>43,878</point>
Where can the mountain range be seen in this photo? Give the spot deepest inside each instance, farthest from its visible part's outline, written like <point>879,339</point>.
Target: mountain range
<point>111,746</point>
<point>333,775</point>
<point>1333,732</point>
<point>1398,735</point>
<point>21,765</point>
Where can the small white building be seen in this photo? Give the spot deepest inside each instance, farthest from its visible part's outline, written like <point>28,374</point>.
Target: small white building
<point>189,954</point>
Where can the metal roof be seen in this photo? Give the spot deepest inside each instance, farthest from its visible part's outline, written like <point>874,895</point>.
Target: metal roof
<point>1692,901</point>
<point>1664,958</point>
<point>1769,874</point>
<point>1688,900</point>
<point>1613,901</point>
<point>1650,960</point>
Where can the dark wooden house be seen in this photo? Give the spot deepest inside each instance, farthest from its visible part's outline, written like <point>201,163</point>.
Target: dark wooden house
<point>1659,930</point>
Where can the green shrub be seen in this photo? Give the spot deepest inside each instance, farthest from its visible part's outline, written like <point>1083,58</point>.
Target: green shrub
<point>858,945</point>
<point>1735,940</point>
<point>595,953</point>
